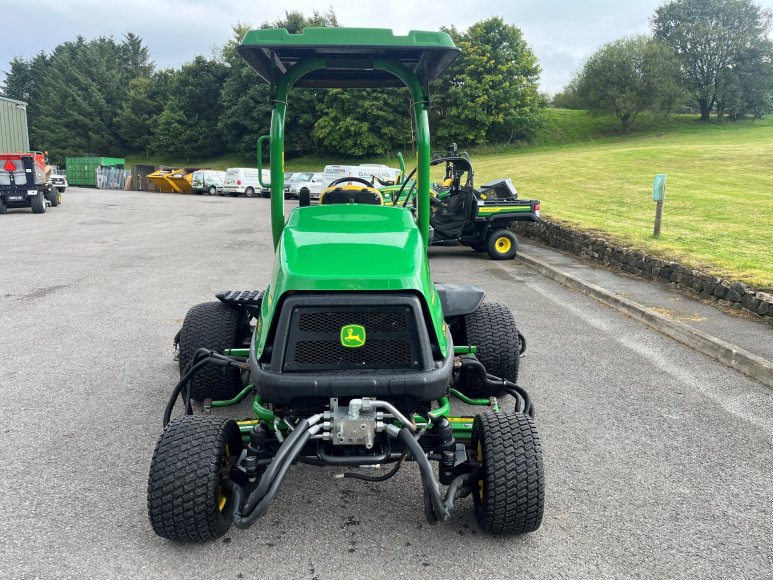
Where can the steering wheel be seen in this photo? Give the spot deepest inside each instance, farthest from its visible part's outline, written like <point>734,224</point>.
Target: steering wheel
<point>365,182</point>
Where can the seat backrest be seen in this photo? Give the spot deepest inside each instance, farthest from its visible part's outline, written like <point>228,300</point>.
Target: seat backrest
<point>350,195</point>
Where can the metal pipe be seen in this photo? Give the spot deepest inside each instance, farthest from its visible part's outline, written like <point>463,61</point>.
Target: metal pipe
<point>237,352</point>
<point>465,349</point>
<point>276,150</point>
<point>392,409</point>
<point>444,408</point>
<point>465,399</point>
<point>237,399</point>
<point>262,412</point>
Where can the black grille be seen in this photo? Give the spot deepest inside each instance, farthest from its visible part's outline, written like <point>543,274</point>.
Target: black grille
<point>333,321</point>
<point>314,338</point>
<point>375,353</point>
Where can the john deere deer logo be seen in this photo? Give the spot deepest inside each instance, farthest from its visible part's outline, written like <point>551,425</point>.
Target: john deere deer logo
<point>352,336</point>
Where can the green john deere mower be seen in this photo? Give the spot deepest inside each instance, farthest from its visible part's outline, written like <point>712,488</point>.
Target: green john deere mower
<point>351,355</point>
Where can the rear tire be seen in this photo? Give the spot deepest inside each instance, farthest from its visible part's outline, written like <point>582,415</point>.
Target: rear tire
<point>304,198</point>
<point>502,245</point>
<point>3,206</point>
<point>249,192</point>
<point>215,326</point>
<point>186,499</point>
<point>491,328</point>
<point>511,494</point>
<point>38,203</point>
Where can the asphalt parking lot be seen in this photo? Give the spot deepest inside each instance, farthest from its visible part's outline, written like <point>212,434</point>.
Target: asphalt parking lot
<point>659,461</point>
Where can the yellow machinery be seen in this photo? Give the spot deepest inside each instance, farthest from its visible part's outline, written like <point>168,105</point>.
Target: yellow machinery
<point>172,181</point>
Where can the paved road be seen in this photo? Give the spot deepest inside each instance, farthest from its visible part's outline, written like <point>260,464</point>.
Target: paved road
<point>658,460</point>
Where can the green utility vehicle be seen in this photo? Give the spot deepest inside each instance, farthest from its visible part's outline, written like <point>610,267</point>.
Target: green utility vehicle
<point>463,214</point>
<point>352,354</point>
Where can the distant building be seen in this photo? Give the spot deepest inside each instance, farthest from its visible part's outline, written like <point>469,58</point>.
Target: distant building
<point>14,135</point>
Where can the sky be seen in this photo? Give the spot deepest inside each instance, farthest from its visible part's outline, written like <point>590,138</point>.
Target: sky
<point>562,33</point>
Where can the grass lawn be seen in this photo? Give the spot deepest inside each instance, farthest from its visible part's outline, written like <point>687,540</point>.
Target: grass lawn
<point>718,213</point>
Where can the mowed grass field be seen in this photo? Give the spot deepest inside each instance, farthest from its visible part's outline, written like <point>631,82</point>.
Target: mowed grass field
<point>718,213</point>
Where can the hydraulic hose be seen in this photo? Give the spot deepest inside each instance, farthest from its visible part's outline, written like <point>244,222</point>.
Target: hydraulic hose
<point>517,392</point>
<point>201,358</point>
<point>276,463</point>
<point>245,520</point>
<point>431,489</point>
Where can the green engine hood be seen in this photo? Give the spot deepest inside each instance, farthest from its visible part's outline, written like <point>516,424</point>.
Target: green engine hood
<point>349,248</point>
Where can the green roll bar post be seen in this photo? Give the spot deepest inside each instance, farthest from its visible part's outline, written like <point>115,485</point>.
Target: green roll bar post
<point>276,152</point>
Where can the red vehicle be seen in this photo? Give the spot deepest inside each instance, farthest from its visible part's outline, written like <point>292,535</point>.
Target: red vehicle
<point>24,182</point>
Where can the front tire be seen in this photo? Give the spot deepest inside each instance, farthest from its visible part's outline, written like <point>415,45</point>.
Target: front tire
<point>213,190</point>
<point>491,328</point>
<point>502,245</point>
<point>186,499</point>
<point>3,206</point>
<point>510,498</point>
<point>214,326</point>
<point>304,198</point>
<point>38,203</point>
<point>54,198</point>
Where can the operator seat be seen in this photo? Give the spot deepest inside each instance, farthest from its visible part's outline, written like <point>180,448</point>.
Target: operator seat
<point>351,194</point>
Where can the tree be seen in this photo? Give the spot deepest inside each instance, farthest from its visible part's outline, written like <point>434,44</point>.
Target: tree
<point>568,97</point>
<point>747,88</point>
<point>138,116</point>
<point>188,126</point>
<point>79,98</point>
<point>710,37</point>
<point>363,122</point>
<point>491,93</point>
<point>246,111</point>
<point>136,57</point>
<point>628,76</point>
<point>23,82</point>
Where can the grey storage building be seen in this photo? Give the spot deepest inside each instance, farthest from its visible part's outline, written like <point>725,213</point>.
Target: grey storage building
<point>13,126</point>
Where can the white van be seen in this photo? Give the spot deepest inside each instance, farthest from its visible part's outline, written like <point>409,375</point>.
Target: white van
<point>366,171</point>
<point>207,181</point>
<point>244,180</point>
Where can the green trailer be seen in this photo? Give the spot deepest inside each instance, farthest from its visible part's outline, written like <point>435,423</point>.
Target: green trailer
<point>352,355</point>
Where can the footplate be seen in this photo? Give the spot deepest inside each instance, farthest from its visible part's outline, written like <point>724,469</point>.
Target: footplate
<point>243,297</point>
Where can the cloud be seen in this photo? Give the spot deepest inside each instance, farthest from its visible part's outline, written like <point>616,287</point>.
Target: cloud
<point>561,32</point>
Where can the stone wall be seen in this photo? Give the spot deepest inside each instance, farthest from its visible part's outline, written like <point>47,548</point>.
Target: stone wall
<point>724,292</point>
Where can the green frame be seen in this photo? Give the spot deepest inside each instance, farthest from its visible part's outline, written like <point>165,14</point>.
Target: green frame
<point>419,96</point>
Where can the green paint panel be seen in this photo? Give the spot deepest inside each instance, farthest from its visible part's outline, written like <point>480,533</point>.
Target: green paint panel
<point>510,209</point>
<point>350,248</point>
<point>349,53</point>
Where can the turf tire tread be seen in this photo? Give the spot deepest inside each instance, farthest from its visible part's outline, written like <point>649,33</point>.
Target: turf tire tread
<point>491,328</point>
<point>185,476</point>
<point>215,326</point>
<point>513,475</point>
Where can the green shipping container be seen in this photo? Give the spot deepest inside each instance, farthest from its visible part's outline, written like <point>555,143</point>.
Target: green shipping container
<point>83,170</point>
